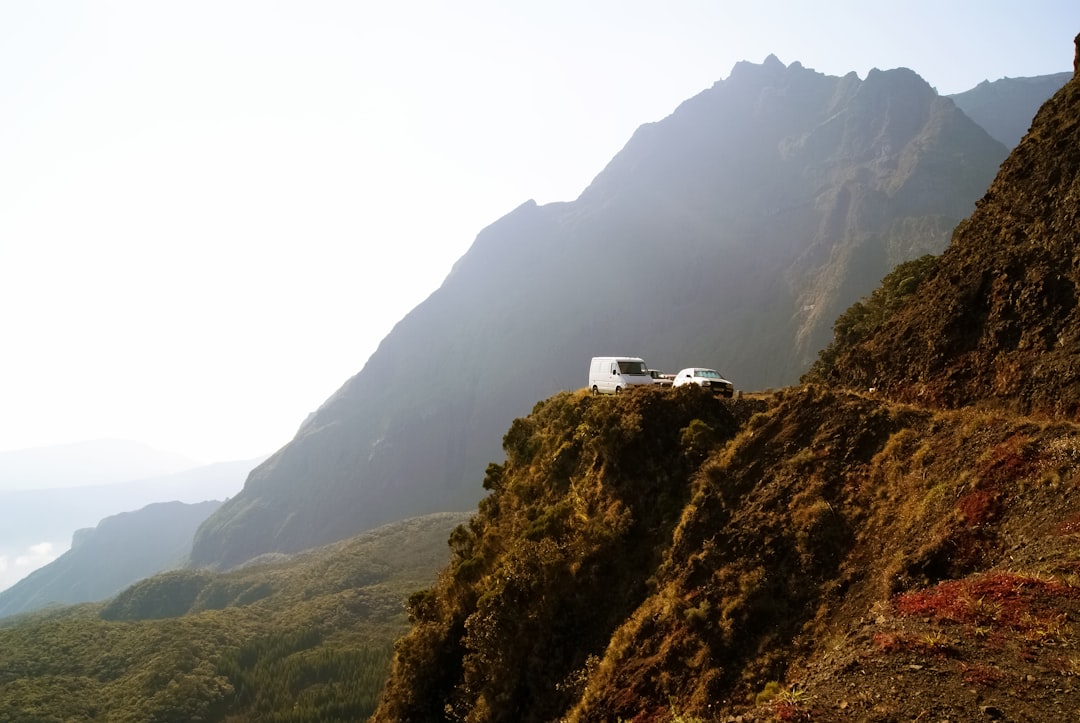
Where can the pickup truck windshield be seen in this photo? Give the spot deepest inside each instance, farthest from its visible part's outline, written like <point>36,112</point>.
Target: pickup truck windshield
<point>632,367</point>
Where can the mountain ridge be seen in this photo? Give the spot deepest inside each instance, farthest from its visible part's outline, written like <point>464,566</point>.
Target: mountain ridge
<point>31,517</point>
<point>1000,106</point>
<point>306,638</point>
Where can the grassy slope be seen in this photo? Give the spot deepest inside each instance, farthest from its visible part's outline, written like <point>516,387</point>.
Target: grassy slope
<point>805,562</point>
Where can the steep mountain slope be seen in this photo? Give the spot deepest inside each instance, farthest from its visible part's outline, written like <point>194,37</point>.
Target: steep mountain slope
<point>1005,107</point>
<point>666,556</point>
<point>730,234</point>
<point>103,560</point>
<point>996,322</point>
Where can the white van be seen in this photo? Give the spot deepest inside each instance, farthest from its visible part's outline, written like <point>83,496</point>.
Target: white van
<point>613,374</point>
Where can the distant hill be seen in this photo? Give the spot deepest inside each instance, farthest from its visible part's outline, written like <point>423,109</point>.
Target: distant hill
<point>103,560</point>
<point>730,234</point>
<point>84,464</point>
<point>1005,107</point>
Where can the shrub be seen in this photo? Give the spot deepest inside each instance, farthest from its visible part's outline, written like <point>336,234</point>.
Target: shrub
<point>866,316</point>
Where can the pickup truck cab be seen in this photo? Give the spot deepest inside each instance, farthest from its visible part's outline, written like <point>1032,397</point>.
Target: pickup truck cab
<point>660,378</point>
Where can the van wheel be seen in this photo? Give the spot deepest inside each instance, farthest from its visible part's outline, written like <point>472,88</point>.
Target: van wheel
<point>595,390</point>
<point>618,390</point>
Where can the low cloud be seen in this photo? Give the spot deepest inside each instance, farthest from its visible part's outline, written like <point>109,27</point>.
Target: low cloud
<point>16,562</point>
<point>37,555</point>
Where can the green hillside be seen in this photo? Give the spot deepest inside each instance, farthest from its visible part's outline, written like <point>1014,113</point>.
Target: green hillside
<point>302,640</point>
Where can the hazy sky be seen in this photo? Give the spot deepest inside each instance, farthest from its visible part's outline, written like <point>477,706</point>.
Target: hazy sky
<point>212,212</point>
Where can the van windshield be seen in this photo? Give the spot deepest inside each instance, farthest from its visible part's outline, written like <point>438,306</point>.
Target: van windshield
<point>632,367</point>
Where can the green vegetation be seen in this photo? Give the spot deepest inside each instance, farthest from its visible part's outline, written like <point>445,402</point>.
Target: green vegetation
<point>865,317</point>
<point>303,640</point>
<point>559,554</point>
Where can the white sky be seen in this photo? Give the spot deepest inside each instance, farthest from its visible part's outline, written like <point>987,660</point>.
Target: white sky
<point>212,212</point>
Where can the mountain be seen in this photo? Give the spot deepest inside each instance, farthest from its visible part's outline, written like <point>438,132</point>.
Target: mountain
<point>730,234</point>
<point>31,518</point>
<point>104,560</point>
<point>893,540</point>
<point>995,320</point>
<point>1005,107</point>
<point>104,461</point>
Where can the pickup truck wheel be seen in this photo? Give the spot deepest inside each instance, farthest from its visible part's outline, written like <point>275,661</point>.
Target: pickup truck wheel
<point>618,390</point>
<point>595,390</point>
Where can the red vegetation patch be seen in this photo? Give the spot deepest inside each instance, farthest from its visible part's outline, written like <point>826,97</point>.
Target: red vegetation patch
<point>1070,526</point>
<point>1011,460</point>
<point>1000,599</point>
<point>935,645</point>
<point>980,507</point>
<point>984,676</point>
<point>889,642</point>
<point>789,712</point>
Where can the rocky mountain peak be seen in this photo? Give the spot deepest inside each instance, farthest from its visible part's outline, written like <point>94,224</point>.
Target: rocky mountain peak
<point>746,71</point>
